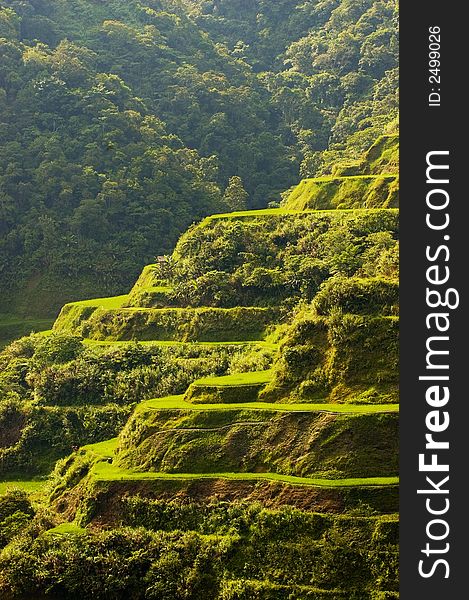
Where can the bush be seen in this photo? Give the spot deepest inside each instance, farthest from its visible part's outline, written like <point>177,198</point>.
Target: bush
<point>184,565</point>
<point>359,296</point>
<point>57,348</point>
<point>264,261</point>
<point>16,512</point>
<point>49,433</point>
<point>339,358</point>
<point>199,324</point>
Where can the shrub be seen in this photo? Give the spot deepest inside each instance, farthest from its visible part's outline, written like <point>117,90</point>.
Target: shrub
<point>263,261</point>
<point>180,324</point>
<point>16,512</point>
<point>359,296</point>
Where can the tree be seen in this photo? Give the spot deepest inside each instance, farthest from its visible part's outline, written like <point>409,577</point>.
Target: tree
<point>235,196</point>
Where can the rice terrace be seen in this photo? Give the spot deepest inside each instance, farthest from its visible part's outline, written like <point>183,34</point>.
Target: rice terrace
<point>223,426</point>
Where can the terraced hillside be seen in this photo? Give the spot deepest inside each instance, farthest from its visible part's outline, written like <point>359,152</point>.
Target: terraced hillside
<point>240,404</point>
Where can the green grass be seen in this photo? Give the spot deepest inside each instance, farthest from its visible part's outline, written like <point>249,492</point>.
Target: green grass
<point>112,302</point>
<point>256,343</point>
<point>236,380</point>
<point>150,289</point>
<point>103,449</point>
<point>27,486</point>
<point>104,471</point>
<point>44,333</point>
<point>178,403</point>
<point>66,528</point>
<point>147,279</point>
<point>280,212</point>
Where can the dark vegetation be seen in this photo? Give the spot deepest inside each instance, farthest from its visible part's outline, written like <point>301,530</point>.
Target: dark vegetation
<point>180,561</point>
<point>123,122</point>
<point>16,512</point>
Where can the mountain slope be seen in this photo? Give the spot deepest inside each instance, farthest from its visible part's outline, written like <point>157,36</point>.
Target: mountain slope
<point>247,448</point>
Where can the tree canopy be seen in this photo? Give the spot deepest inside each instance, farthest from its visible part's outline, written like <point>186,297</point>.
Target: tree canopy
<point>123,122</point>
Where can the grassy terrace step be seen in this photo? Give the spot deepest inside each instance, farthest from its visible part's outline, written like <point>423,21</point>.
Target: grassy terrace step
<point>255,343</point>
<point>228,389</point>
<point>150,297</point>
<point>106,471</point>
<point>284,212</point>
<point>202,324</point>
<point>179,403</point>
<point>318,443</point>
<point>74,314</point>
<point>111,302</point>
<point>237,379</point>
<point>102,449</point>
<point>66,529</point>
<point>149,290</point>
<point>326,189</point>
<point>356,191</point>
<point>147,280</point>
<point>27,486</point>
<point>103,471</point>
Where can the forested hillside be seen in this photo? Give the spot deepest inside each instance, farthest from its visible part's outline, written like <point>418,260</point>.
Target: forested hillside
<point>122,122</point>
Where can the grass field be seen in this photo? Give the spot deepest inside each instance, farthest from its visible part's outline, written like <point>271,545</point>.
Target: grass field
<point>236,380</point>
<point>27,486</point>
<point>281,212</point>
<point>256,343</point>
<point>112,302</point>
<point>66,528</point>
<point>178,403</point>
<point>104,471</point>
<point>103,449</point>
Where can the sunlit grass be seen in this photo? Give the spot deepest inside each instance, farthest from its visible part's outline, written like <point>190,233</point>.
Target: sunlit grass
<point>178,403</point>
<point>66,528</point>
<point>279,212</point>
<point>112,302</point>
<point>238,379</point>
<point>104,471</point>
<point>103,449</point>
<point>26,486</point>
